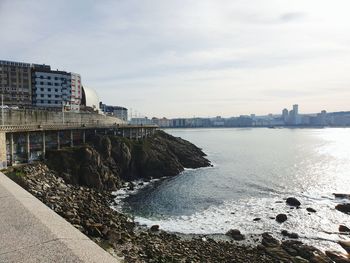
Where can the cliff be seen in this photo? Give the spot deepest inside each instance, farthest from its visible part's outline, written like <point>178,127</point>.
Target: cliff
<point>106,161</point>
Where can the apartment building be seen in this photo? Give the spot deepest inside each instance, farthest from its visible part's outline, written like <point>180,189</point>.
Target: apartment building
<point>15,83</point>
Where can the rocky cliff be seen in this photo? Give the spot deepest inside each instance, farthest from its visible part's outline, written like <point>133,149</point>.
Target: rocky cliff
<point>108,160</point>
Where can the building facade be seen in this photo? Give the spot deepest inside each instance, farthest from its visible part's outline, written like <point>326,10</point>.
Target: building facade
<point>56,89</point>
<point>117,111</point>
<point>15,83</point>
<point>76,92</point>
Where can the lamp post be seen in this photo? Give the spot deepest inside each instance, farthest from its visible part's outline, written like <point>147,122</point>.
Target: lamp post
<point>2,109</point>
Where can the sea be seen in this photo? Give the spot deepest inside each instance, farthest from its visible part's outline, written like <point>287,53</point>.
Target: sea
<point>254,171</point>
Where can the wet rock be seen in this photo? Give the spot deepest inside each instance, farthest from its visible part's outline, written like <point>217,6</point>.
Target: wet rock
<point>338,257</point>
<point>311,210</point>
<point>292,201</point>
<point>235,234</point>
<point>269,241</point>
<point>154,228</point>
<point>343,228</point>
<point>131,186</point>
<point>345,208</point>
<point>257,219</point>
<point>344,196</point>
<point>290,235</point>
<point>345,244</point>
<point>280,218</point>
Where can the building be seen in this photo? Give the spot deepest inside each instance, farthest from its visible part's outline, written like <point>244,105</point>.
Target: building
<point>141,121</point>
<point>285,116</point>
<point>117,111</point>
<point>56,89</point>
<point>16,83</point>
<point>90,100</point>
<point>51,89</point>
<point>76,92</point>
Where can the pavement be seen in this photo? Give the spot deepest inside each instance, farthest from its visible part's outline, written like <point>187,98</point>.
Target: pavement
<point>30,232</point>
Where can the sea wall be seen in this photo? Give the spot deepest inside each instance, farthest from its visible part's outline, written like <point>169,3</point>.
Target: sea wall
<point>41,117</point>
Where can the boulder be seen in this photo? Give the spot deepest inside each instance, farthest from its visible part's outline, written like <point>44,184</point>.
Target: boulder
<point>338,257</point>
<point>292,201</point>
<point>280,218</point>
<point>235,234</point>
<point>345,208</point>
<point>154,228</point>
<point>269,241</point>
<point>311,210</point>
<point>345,244</point>
<point>343,228</point>
<point>289,234</point>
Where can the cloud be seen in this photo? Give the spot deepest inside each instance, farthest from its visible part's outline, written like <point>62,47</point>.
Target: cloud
<point>152,54</point>
<point>292,16</point>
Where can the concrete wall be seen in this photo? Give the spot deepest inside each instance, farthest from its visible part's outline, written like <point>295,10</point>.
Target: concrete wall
<point>41,117</point>
<point>3,159</point>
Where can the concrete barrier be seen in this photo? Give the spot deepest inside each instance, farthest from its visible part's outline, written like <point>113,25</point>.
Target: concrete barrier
<point>42,117</point>
<point>30,232</point>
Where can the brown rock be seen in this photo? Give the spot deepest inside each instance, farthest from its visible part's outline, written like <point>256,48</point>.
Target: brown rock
<point>337,257</point>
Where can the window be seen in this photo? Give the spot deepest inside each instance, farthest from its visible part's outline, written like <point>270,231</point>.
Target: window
<point>41,101</point>
<point>56,90</point>
<point>41,89</point>
<point>56,84</point>
<point>49,89</point>
<point>49,95</point>
<point>56,78</point>
<point>41,83</point>
<point>48,77</point>
<point>49,83</point>
<point>56,96</point>
<point>42,95</point>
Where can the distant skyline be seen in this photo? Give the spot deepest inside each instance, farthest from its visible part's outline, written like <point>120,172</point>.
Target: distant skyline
<point>191,58</point>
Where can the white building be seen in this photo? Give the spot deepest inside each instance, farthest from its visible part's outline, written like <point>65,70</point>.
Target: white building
<point>55,89</point>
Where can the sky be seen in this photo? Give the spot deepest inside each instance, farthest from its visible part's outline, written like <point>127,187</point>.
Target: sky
<point>189,58</point>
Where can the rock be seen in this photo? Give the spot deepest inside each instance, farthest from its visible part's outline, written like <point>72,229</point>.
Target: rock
<point>311,210</point>
<point>344,196</point>
<point>280,218</point>
<point>345,208</point>
<point>343,228</point>
<point>257,219</point>
<point>345,245</point>
<point>131,186</point>
<point>269,241</point>
<point>154,228</point>
<point>290,235</point>
<point>292,201</point>
<point>337,257</point>
<point>235,234</point>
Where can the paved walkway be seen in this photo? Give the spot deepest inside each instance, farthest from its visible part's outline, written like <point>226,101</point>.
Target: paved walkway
<point>31,232</point>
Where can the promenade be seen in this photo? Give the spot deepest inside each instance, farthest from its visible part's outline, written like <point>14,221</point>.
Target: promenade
<point>30,232</point>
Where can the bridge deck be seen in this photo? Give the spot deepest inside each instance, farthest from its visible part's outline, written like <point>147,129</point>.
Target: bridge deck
<point>69,126</point>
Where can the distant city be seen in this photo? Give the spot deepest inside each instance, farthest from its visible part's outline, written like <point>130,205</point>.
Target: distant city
<point>289,118</point>
<point>37,86</point>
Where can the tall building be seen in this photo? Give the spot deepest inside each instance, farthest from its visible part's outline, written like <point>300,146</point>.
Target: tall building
<point>15,83</point>
<point>56,89</point>
<point>76,92</point>
<point>285,116</point>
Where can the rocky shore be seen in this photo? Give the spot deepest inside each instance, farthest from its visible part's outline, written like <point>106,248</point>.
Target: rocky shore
<point>77,183</point>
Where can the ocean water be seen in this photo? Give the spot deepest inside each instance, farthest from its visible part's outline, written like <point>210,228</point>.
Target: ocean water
<point>254,171</point>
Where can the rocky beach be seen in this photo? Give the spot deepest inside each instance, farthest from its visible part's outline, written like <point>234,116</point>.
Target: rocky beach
<point>77,183</point>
